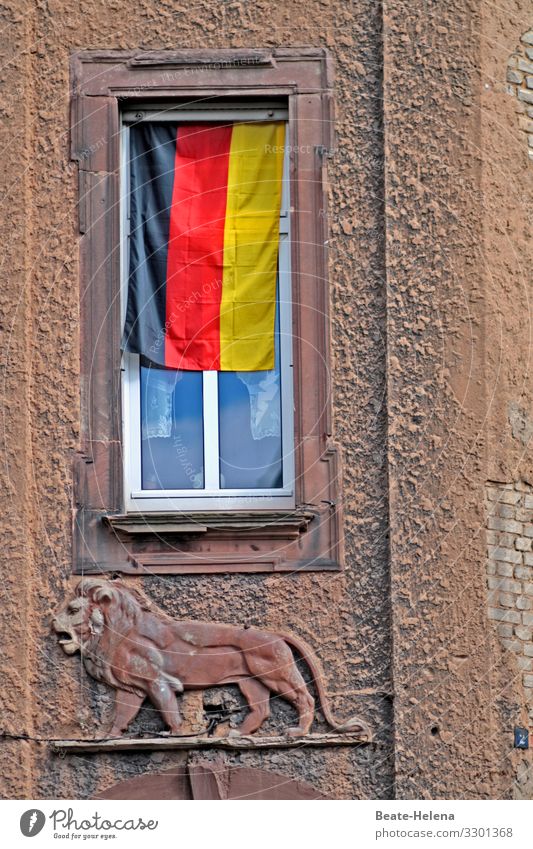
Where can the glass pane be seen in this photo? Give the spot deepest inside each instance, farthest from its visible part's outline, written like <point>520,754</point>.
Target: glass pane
<point>249,406</point>
<point>172,433</point>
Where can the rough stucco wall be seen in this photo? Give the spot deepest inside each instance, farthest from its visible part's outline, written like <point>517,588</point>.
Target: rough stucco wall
<point>435,409</point>
<point>15,468</point>
<point>507,257</point>
<point>345,617</point>
<point>450,254</point>
<point>456,254</point>
<point>507,183</point>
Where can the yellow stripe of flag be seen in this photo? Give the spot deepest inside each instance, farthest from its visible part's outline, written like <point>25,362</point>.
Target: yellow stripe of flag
<point>251,239</point>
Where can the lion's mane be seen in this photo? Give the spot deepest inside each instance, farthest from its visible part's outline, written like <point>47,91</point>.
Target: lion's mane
<point>114,614</point>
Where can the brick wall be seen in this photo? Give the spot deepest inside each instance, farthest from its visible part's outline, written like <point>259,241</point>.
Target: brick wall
<point>510,573</point>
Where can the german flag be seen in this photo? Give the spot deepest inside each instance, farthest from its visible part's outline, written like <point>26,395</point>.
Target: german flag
<point>203,249</point>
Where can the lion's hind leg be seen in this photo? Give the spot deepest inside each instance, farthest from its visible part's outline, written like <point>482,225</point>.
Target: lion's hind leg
<point>258,697</point>
<point>304,703</point>
<point>278,671</point>
<point>296,693</point>
<point>288,682</point>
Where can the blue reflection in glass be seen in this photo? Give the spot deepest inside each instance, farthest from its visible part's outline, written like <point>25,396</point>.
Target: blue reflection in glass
<point>172,434</point>
<point>249,406</point>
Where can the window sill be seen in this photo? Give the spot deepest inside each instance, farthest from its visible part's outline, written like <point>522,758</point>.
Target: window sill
<point>207,543</point>
<point>274,522</point>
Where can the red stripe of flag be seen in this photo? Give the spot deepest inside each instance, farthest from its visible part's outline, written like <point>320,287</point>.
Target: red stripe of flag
<point>196,247</point>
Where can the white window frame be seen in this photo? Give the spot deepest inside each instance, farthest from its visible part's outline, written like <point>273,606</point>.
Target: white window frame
<point>211,498</point>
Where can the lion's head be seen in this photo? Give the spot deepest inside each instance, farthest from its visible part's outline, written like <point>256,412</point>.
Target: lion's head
<point>96,604</point>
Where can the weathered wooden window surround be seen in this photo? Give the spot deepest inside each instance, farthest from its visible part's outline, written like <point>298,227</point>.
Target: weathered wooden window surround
<point>107,537</point>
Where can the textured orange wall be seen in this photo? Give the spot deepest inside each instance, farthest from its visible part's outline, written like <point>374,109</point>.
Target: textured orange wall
<point>458,254</point>
<point>428,246</point>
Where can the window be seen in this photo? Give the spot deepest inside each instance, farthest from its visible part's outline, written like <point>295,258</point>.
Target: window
<point>180,469</point>
<point>201,439</point>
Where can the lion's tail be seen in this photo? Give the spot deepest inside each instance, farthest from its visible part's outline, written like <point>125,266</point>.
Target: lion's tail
<point>352,724</point>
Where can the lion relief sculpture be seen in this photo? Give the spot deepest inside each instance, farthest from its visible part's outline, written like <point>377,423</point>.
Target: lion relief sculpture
<point>127,642</point>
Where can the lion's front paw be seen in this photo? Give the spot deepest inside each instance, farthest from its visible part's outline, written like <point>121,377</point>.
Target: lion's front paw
<point>114,732</point>
<point>295,732</point>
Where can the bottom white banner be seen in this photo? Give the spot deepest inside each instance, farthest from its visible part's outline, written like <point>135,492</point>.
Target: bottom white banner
<point>257,824</point>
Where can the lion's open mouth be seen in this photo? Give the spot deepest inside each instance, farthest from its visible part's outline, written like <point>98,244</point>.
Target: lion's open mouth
<point>67,642</point>
<point>69,646</point>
